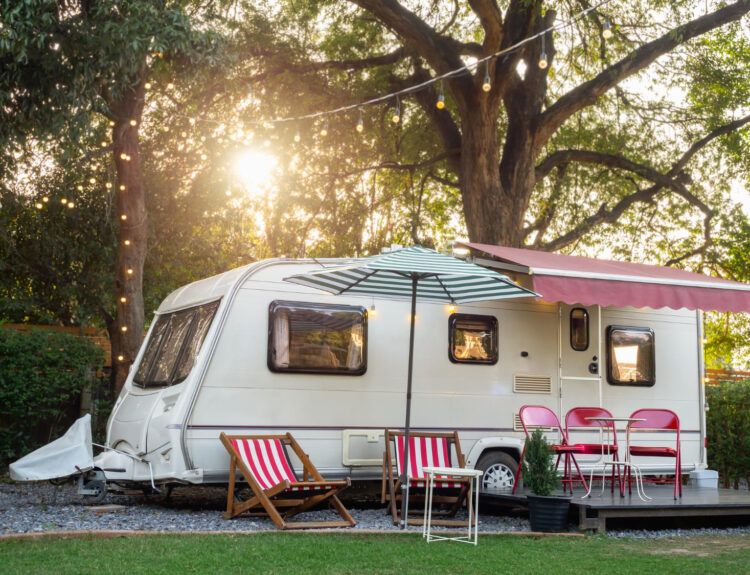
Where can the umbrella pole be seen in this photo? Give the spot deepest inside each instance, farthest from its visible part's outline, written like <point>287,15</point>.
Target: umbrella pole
<point>405,478</point>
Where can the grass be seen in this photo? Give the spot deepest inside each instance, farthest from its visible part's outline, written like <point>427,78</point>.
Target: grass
<point>300,553</point>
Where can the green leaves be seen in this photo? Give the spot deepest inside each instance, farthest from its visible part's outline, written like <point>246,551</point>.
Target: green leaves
<point>540,474</point>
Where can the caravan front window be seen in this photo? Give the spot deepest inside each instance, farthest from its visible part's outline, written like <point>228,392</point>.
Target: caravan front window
<point>317,338</point>
<point>173,346</point>
<point>630,356</point>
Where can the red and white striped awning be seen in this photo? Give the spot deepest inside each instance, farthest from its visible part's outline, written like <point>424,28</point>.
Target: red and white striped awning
<point>588,281</point>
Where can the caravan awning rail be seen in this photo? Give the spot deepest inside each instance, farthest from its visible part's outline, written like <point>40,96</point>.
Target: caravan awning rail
<point>589,281</point>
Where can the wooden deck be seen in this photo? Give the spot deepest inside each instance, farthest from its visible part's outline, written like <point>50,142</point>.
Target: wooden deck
<point>594,511</point>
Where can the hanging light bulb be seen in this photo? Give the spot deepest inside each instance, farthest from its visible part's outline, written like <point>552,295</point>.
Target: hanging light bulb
<point>122,187</point>
<point>297,137</point>
<point>133,122</point>
<point>397,112</point>
<point>372,312</point>
<point>126,242</point>
<point>108,185</point>
<point>543,57</point>
<point>71,205</point>
<point>192,121</point>
<point>120,358</point>
<point>45,199</point>
<point>147,85</point>
<point>204,156</point>
<point>123,299</point>
<point>39,205</point>
<point>130,271</point>
<point>63,201</point>
<point>124,328</point>
<point>607,30</point>
<point>104,144</point>
<point>124,217</point>
<point>324,131</point>
<point>92,180</point>
<point>170,86</point>
<point>486,85</point>
<point>360,123</point>
<point>452,307</point>
<point>440,104</point>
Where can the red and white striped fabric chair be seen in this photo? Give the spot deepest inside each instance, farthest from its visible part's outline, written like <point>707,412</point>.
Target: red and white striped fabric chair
<point>425,450</point>
<point>264,463</point>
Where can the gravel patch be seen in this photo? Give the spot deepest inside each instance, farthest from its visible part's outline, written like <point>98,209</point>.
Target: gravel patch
<point>41,507</point>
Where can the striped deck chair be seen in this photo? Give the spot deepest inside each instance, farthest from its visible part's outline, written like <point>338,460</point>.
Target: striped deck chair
<point>425,450</point>
<point>264,463</point>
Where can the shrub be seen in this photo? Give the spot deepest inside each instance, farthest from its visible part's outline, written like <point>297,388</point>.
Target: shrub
<point>42,376</point>
<point>728,430</point>
<point>540,474</point>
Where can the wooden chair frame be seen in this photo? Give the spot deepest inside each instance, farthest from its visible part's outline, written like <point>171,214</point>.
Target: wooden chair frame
<point>391,483</point>
<point>266,499</point>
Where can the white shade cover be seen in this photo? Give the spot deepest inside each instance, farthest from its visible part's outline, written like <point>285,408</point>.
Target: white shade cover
<point>70,454</point>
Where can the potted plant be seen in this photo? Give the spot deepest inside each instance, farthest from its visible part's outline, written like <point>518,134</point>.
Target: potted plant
<point>546,512</point>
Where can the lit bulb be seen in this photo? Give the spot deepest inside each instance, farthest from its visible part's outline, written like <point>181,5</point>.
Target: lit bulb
<point>607,31</point>
<point>705,340</point>
<point>133,122</point>
<point>39,205</point>
<point>104,144</point>
<point>71,205</point>
<point>360,125</point>
<point>92,180</point>
<point>440,104</point>
<point>147,85</point>
<point>120,358</point>
<point>123,299</point>
<point>297,136</point>
<point>170,86</point>
<point>324,131</point>
<point>63,201</point>
<point>79,188</point>
<point>130,271</point>
<point>123,156</point>
<point>396,116</point>
<point>126,242</point>
<point>204,156</point>
<point>452,307</point>
<point>111,123</point>
<point>183,134</point>
<point>543,60</point>
<point>486,85</point>
<point>192,121</point>
<point>124,328</point>
<point>122,187</point>
<point>124,217</point>
<point>45,199</point>
<point>108,185</point>
<point>372,312</point>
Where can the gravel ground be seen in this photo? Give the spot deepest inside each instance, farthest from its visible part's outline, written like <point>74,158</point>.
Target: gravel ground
<point>41,507</point>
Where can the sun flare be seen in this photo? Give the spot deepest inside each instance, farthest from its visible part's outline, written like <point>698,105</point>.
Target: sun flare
<point>254,169</point>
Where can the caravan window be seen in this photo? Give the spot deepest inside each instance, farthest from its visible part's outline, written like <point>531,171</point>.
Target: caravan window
<point>630,356</point>
<point>472,338</point>
<point>579,329</point>
<point>317,338</point>
<point>173,346</point>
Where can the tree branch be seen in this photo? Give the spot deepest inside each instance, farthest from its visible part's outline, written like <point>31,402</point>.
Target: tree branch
<point>587,93</point>
<point>492,22</point>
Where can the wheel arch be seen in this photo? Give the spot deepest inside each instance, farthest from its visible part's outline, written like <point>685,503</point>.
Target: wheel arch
<point>510,445</point>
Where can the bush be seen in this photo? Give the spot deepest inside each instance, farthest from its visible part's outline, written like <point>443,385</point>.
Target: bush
<point>42,376</point>
<point>540,474</point>
<point>728,430</point>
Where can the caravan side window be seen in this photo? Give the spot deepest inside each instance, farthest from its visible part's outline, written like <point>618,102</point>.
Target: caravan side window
<point>174,343</point>
<point>579,329</point>
<point>630,356</point>
<point>472,338</point>
<point>317,338</point>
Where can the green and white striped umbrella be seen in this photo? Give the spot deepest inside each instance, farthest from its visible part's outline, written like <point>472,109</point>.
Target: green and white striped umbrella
<point>438,277</point>
<point>415,273</point>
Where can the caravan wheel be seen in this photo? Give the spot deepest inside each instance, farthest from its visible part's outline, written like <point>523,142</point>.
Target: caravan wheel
<point>499,470</point>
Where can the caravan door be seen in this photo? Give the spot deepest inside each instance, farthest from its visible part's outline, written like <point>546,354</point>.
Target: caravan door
<point>580,362</point>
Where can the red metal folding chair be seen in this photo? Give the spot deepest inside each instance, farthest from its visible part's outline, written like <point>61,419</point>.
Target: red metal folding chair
<point>540,416</point>
<point>576,419</point>
<point>658,420</point>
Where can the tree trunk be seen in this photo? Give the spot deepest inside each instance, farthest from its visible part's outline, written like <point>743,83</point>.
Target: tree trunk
<point>494,200</point>
<point>127,331</point>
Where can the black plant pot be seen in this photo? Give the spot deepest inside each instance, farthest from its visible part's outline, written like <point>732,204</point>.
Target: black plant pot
<point>548,514</point>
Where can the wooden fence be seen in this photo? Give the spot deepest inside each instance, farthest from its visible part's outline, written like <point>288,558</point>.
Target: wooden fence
<point>714,376</point>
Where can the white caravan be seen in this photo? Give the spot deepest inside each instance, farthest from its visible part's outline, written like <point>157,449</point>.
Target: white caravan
<point>246,352</point>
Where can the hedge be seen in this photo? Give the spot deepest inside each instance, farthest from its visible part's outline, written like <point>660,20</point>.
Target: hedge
<point>728,430</point>
<point>42,376</point>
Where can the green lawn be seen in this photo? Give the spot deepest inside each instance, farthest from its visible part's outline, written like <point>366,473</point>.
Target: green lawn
<point>367,553</point>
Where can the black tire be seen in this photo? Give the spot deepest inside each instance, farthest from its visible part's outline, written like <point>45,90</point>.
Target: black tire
<point>499,470</point>
<point>101,492</point>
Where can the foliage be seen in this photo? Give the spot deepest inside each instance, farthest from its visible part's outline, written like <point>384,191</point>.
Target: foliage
<point>728,430</point>
<point>540,473</point>
<point>387,553</point>
<point>42,376</point>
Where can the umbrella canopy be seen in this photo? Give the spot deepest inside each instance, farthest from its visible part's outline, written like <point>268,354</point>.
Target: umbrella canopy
<point>440,278</point>
<point>414,272</point>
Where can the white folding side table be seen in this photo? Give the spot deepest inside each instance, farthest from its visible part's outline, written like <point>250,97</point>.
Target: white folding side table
<point>441,474</point>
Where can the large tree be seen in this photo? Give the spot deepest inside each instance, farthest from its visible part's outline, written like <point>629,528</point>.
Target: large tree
<point>548,154</point>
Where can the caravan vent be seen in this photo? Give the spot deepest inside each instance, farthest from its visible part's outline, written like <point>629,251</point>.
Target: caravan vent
<point>532,384</point>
